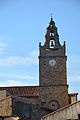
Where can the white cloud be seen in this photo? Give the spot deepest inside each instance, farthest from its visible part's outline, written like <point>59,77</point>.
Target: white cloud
<point>14,83</point>
<point>18,79</point>
<point>17,76</point>
<point>2,47</point>
<point>11,83</point>
<point>20,60</point>
<point>3,44</point>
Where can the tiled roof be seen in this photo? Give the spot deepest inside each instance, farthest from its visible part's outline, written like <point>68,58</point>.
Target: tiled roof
<point>60,109</point>
<point>24,91</point>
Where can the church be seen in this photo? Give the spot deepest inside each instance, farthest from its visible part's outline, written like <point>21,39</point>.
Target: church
<point>34,102</point>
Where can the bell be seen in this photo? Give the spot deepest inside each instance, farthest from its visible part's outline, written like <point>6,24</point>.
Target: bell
<point>52,44</point>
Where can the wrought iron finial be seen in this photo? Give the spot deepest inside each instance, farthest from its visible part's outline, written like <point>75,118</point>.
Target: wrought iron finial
<point>51,17</point>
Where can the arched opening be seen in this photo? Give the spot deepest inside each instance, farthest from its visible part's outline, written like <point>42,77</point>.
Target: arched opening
<point>52,44</point>
<point>54,105</point>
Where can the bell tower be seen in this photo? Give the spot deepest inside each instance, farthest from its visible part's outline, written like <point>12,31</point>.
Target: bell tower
<point>53,88</point>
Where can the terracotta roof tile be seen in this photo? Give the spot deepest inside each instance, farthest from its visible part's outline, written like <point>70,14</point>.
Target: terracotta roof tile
<point>60,109</point>
<point>24,91</point>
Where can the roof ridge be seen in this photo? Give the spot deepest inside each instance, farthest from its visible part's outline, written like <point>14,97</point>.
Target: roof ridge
<point>61,108</point>
<point>17,86</point>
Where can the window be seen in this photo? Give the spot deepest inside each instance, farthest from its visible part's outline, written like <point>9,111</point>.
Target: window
<point>43,103</point>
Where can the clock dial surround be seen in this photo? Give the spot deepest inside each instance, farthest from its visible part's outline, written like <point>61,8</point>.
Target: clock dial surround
<point>52,62</point>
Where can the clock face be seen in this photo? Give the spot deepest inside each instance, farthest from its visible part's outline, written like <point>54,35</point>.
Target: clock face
<point>52,62</point>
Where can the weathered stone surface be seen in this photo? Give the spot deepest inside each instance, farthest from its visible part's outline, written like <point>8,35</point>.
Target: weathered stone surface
<point>58,93</point>
<point>70,112</point>
<point>9,118</point>
<point>50,75</point>
<point>2,94</point>
<point>52,79</point>
<point>6,107</point>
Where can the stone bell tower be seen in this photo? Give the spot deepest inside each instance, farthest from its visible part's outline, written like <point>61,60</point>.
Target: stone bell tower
<point>53,88</point>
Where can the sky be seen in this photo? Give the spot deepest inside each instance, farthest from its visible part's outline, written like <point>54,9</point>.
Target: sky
<point>23,25</point>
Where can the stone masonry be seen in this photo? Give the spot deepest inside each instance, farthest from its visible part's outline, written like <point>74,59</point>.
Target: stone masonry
<point>33,102</point>
<point>6,106</point>
<point>53,90</point>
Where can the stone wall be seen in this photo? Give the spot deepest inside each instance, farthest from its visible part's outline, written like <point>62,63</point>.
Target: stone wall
<point>28,108</point>
<point>52,75</point>
<point>9,118</point>
<point>12,118</point>
<point>18,106</point>
<point>59,94</point>
<point>2,94</point>
<point>21,107</point>
<point>6,106</point>
<point>70,112</point>
<point>53,79</point>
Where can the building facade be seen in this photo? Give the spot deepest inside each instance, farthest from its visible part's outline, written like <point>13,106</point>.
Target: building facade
<point>69,112</point>
<point>52,92</point>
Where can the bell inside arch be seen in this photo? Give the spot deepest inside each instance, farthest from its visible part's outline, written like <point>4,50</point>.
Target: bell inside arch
<point>52,44</point>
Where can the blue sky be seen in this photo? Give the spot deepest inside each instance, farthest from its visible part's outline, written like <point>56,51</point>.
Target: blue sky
<point>23,25</point>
